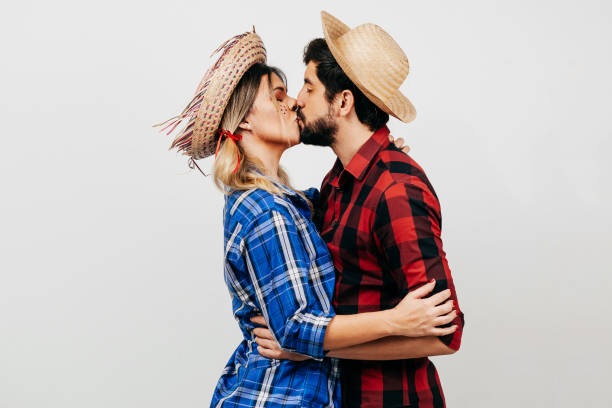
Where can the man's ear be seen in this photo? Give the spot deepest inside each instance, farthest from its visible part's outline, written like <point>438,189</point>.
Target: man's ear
<point>346,101</point>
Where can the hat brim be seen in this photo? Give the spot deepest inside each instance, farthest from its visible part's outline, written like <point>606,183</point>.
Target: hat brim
<point>398,105</point>
<point>237,55</point>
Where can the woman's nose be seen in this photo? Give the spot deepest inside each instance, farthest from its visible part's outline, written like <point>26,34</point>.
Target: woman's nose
<point>291,103</point>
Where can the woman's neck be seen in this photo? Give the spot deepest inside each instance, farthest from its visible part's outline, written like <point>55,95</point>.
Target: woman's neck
<point>264,154</point>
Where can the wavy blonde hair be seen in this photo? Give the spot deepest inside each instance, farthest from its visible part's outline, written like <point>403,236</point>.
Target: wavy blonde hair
<point>238,106</point>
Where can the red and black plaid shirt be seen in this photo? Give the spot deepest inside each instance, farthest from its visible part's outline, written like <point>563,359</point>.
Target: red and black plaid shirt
<point>381,220</point>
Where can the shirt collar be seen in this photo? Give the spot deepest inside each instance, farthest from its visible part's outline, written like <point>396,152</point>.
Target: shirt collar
<point>286,190</point>
<point>363,159</point>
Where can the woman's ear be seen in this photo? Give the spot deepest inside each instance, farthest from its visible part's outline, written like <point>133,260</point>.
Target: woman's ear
<point>244,125</point>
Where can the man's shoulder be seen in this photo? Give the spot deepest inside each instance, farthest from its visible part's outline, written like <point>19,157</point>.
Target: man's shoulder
<point>398,165</point>
<point>394,167</point>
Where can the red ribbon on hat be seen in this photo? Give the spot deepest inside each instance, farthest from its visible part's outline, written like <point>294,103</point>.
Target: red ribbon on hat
<point>236,138</point>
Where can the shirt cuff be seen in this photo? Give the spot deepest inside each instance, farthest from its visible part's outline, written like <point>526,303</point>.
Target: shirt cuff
<point>311,334</point>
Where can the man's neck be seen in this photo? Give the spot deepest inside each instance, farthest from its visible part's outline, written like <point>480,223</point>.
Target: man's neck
<point>349,139</point>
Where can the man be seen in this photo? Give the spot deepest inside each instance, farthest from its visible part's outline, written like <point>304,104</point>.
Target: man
<point>377,212</point>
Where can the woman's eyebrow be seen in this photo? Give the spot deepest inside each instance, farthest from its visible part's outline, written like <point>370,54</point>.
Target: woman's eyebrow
<point>280,88</point>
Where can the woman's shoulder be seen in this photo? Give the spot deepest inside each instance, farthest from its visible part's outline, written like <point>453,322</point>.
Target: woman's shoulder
<point>250,204</point>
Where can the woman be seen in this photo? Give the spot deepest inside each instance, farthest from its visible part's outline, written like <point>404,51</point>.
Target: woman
<point>276,265</point>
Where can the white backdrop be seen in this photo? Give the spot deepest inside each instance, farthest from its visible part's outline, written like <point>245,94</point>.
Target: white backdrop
<point>111,288</point>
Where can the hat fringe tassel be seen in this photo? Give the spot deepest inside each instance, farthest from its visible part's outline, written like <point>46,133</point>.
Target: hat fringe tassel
<point>183,140</point>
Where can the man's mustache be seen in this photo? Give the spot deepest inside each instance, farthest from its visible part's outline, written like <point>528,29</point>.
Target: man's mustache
<point>300,115</point>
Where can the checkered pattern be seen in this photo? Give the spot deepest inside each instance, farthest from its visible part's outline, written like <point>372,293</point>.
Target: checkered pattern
<point>381,220</point>
<point>276,265</point>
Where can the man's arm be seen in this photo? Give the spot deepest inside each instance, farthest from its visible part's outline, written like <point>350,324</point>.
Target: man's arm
<point>388,348</point>
<point>407,232</point>
<point>394,348</point>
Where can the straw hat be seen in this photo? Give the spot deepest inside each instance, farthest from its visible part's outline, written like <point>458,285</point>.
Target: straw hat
<point>204,112</point>
<point>373,61</point>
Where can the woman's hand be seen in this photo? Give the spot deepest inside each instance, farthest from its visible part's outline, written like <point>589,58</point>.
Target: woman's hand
<point>416,316</point>
<point>399,143</point>
<point>268,347</point>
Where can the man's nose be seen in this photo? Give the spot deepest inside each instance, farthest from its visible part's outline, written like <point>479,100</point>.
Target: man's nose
<point>299,101</point>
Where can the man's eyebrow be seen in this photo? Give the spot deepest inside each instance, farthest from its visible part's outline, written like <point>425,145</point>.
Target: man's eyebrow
<point>307,81</point>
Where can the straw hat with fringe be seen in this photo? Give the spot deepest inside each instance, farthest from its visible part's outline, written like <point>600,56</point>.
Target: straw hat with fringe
<point>373,61</point>
<point>204,112</point>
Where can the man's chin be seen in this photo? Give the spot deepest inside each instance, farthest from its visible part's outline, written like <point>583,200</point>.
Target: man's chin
<point>319,132</point>
<point>314,141</point>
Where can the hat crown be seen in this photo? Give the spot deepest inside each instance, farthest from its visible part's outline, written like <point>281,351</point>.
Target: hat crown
<point>375,63</point>
<point>371,49</point>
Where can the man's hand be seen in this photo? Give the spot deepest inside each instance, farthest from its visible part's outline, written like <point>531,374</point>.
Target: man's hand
<point>268,347</point>
<point>416,316</point>
<point>399,143</point>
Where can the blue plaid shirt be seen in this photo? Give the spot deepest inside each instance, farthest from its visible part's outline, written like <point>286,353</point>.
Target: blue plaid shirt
<point>277,265</point>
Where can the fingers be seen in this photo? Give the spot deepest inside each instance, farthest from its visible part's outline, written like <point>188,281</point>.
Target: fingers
<point>399,143</point>
<point>440,297</point>
<point>265,343</point>
<point>446,319</point>
<point>263,333</point>
<point>423,290</point>
<point>259,320</point>
<point>444,308</point>
<point>270,349</point>
<point>444,331</point>
<point>267,353</point>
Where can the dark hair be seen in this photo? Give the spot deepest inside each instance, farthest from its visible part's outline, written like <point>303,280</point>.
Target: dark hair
<point>335,80</point>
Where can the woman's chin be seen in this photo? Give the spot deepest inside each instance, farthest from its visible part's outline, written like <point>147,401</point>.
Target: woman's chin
<point>290,143</point>
<point>293,139</point>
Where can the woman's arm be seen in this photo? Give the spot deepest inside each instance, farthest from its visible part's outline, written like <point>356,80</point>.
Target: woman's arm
<point>388,348</point>
<point>276,263</point>
<point>413,316</point>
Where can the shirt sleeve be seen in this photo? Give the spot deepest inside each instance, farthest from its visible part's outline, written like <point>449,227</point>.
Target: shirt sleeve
<point>278,265</point>
<point>407,228</point>
<point>312,194</point>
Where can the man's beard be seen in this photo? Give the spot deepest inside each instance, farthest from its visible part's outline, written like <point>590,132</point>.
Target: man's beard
<point>321,132</point>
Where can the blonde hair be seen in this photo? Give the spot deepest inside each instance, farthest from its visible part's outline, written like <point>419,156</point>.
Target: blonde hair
<point>238,106</point>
